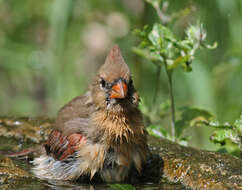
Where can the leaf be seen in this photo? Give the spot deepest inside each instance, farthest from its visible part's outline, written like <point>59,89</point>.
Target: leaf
<point>192,117</point>
<point>184,140</point>
<point>185,45</point>
<point>196,33</point>
<point>152,56</point>
<point>187,66</point>
<point>141,33</point>
<point>122,187</point>
<point>238,125</point>
<point>220,136</point>
<point>158,34</point>
<point>197,36</point>
<point>158,131</point>
<point>214,46</point>
<point>217,124</point>
<point>227,131</point>
<point>178,61</point>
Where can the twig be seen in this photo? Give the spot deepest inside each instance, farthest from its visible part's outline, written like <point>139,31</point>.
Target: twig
<point>157,83</point>
<point>173,117</point>
<point>163,18</point>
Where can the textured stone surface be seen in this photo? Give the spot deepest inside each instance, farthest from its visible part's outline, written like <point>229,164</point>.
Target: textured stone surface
<point>26,129</point>
<point>10,174</point>
<point>198,169</point>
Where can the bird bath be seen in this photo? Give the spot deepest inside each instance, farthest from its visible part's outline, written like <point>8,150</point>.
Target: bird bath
<point>177,167</point>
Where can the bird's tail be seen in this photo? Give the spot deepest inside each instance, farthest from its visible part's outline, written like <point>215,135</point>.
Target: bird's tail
<point>46,167</point>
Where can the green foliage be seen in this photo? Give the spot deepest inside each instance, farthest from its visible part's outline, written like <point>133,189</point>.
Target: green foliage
<point>162,47</point>
<point>227,135</point>
<point>122,187</point>
<point>158,131</point>
<point>191,117</point>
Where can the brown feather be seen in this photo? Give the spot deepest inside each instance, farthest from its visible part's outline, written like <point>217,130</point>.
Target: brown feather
<point>60,147</point>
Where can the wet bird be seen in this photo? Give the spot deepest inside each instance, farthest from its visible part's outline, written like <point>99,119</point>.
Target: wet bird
<point>98,133</point>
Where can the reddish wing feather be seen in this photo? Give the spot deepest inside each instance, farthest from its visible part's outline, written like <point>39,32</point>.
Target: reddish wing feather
<point>60,147</point>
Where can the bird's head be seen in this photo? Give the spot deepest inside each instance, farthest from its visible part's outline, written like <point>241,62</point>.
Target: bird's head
<point>113,86</point>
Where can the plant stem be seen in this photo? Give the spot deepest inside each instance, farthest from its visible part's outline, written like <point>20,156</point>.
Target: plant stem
<point>163,18</point>
<point>157,83</point>
<point>173,117</point>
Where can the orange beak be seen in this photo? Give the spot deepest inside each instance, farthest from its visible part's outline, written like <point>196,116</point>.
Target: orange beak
<point>119,90</point>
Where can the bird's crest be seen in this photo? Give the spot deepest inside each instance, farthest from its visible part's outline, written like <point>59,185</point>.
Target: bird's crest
<point>114,66</point>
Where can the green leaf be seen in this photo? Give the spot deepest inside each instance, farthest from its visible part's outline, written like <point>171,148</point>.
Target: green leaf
<point>191,117</point>
<point>220,136</point>
<point>238,125</point>
<point>185,45</point>
<point>157,131</point>
<point>184,140</point>
<point>141,33</point>
<point>178,61</point>
<point>196,33</point>
<point>214,46</point>
<point>227,134</point>
<point>152,56</point>
<point>158,34</point>
<point>122,187</point>
<point>187,66</point>
<point>217,124</point>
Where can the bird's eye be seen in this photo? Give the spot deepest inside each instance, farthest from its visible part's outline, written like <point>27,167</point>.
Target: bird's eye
<point>103,83</point>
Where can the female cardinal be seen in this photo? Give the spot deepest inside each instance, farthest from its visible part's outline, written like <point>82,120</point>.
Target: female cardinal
<point>98,133</point>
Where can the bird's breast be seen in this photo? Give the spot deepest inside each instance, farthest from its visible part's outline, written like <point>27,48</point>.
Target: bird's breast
<point>116,127</point>
<point>116,143</point>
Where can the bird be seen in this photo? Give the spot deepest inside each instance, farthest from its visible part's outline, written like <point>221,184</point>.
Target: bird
<point>98,133</point>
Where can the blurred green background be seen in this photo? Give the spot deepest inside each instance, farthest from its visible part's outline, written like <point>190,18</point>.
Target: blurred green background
<point>50,50</point>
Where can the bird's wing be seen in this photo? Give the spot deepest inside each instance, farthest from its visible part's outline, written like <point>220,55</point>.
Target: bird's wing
<point>60,146</point>
<point>74,116</point>
<point>69,132</point>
